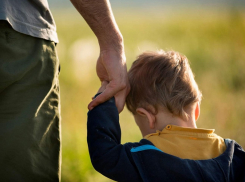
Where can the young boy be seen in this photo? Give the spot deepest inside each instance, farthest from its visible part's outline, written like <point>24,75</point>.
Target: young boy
<point>165,101</point>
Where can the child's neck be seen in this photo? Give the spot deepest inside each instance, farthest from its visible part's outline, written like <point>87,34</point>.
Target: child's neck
<point>163,119</point>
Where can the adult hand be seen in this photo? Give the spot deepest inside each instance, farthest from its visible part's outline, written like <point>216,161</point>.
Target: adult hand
<point>102,87</point>
<point>111,64</point>
<point>112,72</point>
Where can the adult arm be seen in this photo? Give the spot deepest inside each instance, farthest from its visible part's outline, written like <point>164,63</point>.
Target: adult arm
<point>111,64</point>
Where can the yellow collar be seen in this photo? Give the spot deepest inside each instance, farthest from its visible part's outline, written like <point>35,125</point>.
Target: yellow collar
<point>183,131</point>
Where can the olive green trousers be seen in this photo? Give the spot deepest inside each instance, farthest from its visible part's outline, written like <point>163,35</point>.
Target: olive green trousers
<point>29,108</point>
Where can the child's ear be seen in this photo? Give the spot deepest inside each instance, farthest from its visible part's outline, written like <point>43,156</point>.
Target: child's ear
<point>197,111</point>
<point>150,117</point>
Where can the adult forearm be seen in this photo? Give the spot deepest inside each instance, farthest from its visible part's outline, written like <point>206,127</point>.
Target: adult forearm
<point>111,64</point>
<point>99,16</point>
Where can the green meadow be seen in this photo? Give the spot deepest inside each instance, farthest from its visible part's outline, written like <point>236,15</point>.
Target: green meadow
<point>214,42</point>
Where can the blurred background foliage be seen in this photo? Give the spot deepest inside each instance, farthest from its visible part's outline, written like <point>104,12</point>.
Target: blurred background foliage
<point>213,39</point>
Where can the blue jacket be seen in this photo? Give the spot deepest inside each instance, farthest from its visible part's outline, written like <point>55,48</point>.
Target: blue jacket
<point>142,161</point>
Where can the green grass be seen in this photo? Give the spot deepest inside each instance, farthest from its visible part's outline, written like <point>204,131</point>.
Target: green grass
<point>214,42</point>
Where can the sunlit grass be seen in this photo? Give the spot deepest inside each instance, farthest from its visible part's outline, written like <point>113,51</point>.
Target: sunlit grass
<point>214,42</point>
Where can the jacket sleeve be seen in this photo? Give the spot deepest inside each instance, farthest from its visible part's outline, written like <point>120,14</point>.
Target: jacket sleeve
<point>108,155</point>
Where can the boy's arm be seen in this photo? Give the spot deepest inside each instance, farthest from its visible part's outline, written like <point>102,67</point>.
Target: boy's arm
<point>108,156</point>
<point>111,64</point>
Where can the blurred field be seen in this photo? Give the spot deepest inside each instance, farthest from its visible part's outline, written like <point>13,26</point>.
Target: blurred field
<point>212,39</point>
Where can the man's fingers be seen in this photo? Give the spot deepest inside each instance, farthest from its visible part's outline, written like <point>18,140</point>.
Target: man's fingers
<point>103,86</point>
<point>120,102</point>
<point>104,96</point>
<point>120,98</point>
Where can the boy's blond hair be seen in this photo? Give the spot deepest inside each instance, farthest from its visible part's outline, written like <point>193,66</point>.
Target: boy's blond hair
<point>162,79</point>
